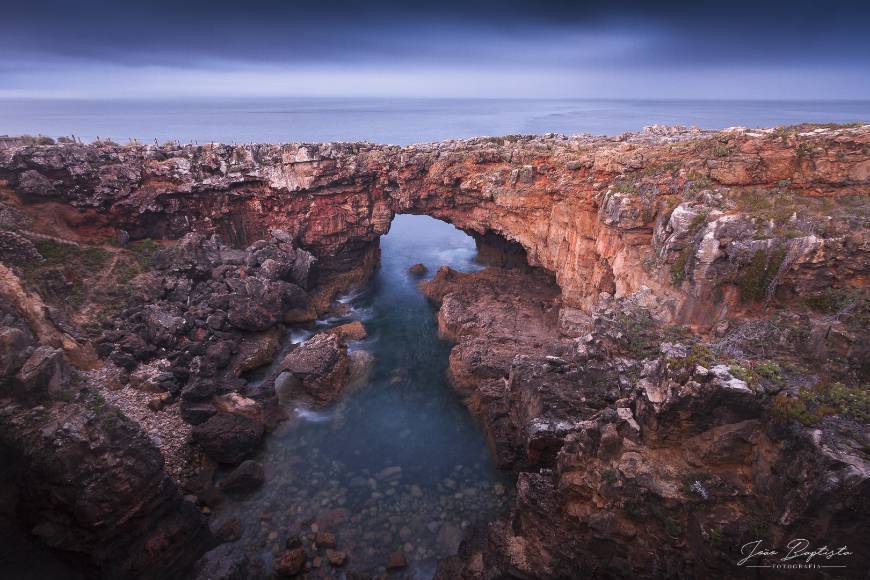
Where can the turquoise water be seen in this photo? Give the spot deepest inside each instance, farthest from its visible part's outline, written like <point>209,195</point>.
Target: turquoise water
<point>398,464</point>
<point>399,121</point>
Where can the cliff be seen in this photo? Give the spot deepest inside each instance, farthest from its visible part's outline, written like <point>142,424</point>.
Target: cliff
<point>697,314</point>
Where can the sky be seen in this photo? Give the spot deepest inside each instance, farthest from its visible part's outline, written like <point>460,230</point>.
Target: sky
<point>731,49</point>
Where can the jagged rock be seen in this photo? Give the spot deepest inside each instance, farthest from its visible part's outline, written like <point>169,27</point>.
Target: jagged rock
<point>16,346</point>
<point>44,374</point>
<point>350,331</point>
<point>255,351</point>
<point>196,413</point>
<point>227,437</point>
<point>318,368</point>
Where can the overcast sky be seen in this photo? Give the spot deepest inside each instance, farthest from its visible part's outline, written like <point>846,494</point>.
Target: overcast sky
<point>491,48</point>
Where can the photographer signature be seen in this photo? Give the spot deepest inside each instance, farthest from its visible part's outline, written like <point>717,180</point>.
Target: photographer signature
<point>798,550</point>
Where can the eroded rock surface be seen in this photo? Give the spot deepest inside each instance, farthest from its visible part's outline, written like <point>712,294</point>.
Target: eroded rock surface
<point>685,371</point>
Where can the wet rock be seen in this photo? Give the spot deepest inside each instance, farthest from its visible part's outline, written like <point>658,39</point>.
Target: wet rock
<point>336,557</point>
<point>350,331</point>
<point>318,368</point>
<point>227,437</point>
<point>418,270</point>
<point>397,561</point>
<point>449,538</point>
<point>325,540</point>
<point>290,563</point>
<point>247,477</point>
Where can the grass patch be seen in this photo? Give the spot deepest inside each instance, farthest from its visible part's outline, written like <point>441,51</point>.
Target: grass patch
<point>812,405</point>
<point>699,355</point>
<point>757,276</point>
<point>144,251</point>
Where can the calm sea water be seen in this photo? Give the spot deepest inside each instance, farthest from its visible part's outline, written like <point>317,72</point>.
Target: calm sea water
<point>398,464</point>
<point>397,121</point>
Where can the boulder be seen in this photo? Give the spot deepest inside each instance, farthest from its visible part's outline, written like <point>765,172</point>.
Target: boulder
<point>290,563</point>
<point>418,270</point>
<point>318,368</point>
<point>196,413</point>
<point>227,437</point>
<point>350,331</point>
<point>15,348</point>
<point>45,374</point>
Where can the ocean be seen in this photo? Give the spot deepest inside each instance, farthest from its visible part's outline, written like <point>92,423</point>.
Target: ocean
<point>392,121</point>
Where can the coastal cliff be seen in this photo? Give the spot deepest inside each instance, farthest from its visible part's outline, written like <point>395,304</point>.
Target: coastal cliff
<point>690,370</point>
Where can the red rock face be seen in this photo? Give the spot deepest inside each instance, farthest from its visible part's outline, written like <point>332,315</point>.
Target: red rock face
<point>600,213</point>
<point>623,436</point>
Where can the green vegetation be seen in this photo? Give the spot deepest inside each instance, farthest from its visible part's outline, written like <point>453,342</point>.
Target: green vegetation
<point>833,300</point>
<point>640,334</point>
<point>756,277</point>
<point>699,355</point>
<point>812,405</point>
<point>624,186</point>
<point>144,251</point>
<point>672,167</point>
<point>60,254</point>
<point>803,150</point>
<point>722,151</point>
<point>697,183</point>
<point>678,268</point>
<point>769,370</point>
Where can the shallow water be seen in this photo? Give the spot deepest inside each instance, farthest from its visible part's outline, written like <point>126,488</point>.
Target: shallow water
<point>399,464</point>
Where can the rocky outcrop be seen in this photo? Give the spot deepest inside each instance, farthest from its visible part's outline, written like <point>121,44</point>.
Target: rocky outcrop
<point>681,212</point>
<point>682,372</point>
<point>316,370</point>
<point>88,482</point>
<point>640,457</point>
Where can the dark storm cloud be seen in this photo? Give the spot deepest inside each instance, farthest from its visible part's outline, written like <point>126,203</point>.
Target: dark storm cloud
<point>212,32</point>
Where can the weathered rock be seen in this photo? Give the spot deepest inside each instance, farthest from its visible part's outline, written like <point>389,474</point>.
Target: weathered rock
<point>227,437</point>
<point>325,540</point>
<point>336,558</point>
<point>418,270</point>
<point>318,369</point>
<point>290,563</point>
<point>351,331</point>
